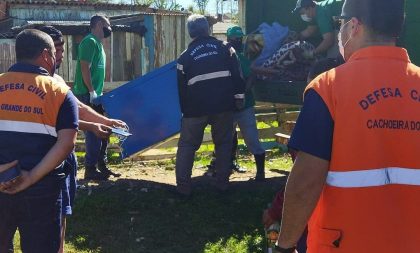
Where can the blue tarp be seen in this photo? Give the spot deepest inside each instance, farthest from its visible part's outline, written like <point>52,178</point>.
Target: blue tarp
<point>150,107</point>
<point>273,38</point>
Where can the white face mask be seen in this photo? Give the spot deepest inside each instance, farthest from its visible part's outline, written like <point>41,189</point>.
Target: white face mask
<point>305,18</point>
<point>340,42</point>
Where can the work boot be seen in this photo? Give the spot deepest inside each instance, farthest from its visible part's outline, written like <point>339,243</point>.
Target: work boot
<point>92,174</point>
<point>235,167</point>
<point>211,168</point>
<point>260,163</point>
<point>106,171</point>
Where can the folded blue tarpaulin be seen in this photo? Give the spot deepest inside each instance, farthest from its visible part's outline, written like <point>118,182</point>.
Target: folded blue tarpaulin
<point>150,107</point>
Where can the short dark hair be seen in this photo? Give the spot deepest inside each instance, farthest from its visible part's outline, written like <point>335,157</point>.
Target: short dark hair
<point>324,65</point>
<point>94,20</point>
<point>54,33</point>
<point>381,18</point>
<point>30,43</point>
<point>309,4</point>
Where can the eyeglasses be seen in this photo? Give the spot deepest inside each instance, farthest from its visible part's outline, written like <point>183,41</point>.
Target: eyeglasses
<point>341,20</point>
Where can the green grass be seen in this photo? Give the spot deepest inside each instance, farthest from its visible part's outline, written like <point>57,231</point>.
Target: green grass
<point>123,217</point>
<point>116,220</point>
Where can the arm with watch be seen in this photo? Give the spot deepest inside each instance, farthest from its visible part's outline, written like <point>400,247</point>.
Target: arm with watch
<point>303,190</point>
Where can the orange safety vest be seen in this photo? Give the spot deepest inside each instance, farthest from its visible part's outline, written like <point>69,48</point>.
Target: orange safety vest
<point>30,103</point>
<point>371,199</point>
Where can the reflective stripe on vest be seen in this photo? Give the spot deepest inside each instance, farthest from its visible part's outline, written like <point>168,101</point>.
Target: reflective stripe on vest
<point>375,177</point>
<point>208,76</point>
<point>27,127</point>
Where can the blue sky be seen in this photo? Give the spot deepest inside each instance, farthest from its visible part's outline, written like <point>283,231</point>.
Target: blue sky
<point>211,7</point>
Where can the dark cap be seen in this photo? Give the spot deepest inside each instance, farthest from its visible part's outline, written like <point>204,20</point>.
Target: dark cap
<point>382,17</point>
<point>302,4</point>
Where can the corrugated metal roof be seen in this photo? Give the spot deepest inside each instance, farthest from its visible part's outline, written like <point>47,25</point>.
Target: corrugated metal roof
<point>144,9</point>
<point>57,22</point>
<point>76,3</point>
<point>79,27</point>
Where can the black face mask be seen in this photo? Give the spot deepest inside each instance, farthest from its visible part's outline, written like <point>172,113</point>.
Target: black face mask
<point>237,45</point>
<point>107,31</point>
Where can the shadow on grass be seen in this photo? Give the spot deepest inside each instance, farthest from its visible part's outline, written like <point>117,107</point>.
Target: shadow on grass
<point>283,172</point>
<point>144,216</point>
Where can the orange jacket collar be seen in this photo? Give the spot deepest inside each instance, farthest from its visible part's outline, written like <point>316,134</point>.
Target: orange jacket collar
<point>381,52</point>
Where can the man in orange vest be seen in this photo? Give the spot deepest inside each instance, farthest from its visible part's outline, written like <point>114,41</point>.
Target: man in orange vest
<point>356,179</point>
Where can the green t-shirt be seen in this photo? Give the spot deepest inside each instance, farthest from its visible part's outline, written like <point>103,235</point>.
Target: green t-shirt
<point>325,11</point>
<point>92,51</point>
<point>246,71</point>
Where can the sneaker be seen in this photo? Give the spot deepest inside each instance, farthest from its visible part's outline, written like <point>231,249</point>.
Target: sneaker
<point>211,171</point>
<point>106,171</point>
<point>235,167</point>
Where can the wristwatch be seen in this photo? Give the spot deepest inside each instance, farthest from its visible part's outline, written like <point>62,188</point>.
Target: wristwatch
<point>284,250</point>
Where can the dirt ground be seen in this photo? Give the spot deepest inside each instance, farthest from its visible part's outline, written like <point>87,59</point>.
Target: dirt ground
<point>165,173</point>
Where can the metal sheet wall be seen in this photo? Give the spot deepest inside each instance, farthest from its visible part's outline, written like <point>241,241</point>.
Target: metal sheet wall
<point>128,55</point>
<point>56,12</point>
<point>7,54</point>
<point>170,38</point>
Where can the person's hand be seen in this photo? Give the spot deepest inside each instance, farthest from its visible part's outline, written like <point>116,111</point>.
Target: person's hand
<point>23,182</point>
<point>6,166</point>
<point>117,123</point>
<point>239,103</point>
<point>92,96</point>
<point>267,219</point>
<point>100,130</point>
<point>309,54</point>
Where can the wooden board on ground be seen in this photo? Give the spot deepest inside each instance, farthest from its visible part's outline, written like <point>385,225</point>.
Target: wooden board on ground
<point>282,138</point>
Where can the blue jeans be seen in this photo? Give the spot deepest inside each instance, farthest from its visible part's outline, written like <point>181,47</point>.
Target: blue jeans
<point>36,212</point>
<point>247,122</point>
<point>95,147</point>
<point>69,185</point>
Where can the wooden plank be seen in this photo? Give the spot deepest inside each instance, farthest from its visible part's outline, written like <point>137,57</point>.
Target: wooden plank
<point>282,138</point>
<point>81,147</point>
<point>108,86</point>
<point>64,68</point>
<point>289,116</point>
<point>137,45</point>
<point>288,126</point>
<point>71,60</point>
<point>266,133</point>
<point>266,117</point>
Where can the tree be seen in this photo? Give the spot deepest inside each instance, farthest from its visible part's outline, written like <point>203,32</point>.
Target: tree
<point>144,2</point>
<point>201,5</point>
<point>160,4</point>
<point>191,8</point>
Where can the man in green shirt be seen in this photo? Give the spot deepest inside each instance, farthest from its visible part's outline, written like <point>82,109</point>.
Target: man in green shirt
<point>88,85</point>
<point>320,15</point>
<point>245,118</point>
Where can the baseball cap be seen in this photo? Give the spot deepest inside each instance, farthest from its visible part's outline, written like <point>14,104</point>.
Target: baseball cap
<point>301,4</point>
<point>235,31</point>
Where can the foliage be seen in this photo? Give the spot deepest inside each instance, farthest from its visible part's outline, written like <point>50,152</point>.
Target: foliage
<point>191,8</point>
<point>201,5</point>
<point>161,4</point>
